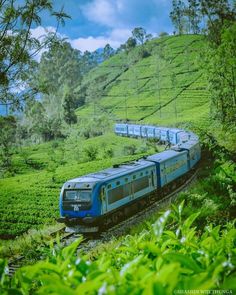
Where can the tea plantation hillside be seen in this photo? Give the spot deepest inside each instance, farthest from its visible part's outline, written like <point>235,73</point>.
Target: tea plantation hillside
<point>160,83</point>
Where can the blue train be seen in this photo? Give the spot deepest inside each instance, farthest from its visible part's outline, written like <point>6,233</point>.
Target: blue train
<point>101,198</point>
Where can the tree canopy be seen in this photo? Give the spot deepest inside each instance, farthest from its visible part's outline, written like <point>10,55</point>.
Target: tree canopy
<point>18,46</point>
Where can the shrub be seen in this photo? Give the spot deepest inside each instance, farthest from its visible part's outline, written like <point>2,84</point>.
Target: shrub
<point>108,153</point>
<point>129,149</point>
<point>91,152</point>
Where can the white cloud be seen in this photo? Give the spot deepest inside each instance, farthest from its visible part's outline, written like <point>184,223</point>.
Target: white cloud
<point>101,11</point>
<point>40,32</point>
<point>115,38</point>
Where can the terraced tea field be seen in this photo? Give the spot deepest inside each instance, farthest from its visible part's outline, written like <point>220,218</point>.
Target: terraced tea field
<point>167,87</point>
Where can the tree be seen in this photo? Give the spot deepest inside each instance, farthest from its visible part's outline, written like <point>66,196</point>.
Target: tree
<point>7,139</point>
<point>177,15</point>
<point>140,35</point>
<point>194,16</point>
<point>130,44</point>
<point>108,51</point>
<point>18,47</point>
<point>163,34</point>
<point>222,76</point>
<point>219,13</point>
<point>89,61</point>
<point>59,66</point>
<point>69,106</point>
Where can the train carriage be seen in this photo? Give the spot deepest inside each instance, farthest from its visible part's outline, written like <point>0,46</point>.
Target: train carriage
<point>121,129</point>
<point>134,130</point>
<point>194,151</point>
<point>164,134</point>
<point>86,199</point>
<point>157,132</point>
<point>148,131</point>
<point>177,135</point>
<point>170,165</point>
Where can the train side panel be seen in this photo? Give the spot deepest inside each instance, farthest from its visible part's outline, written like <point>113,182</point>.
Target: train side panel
<point>177,135</point>
<point>134,130</point>
<point>194,150</point>
<point>157,132</point>
<point>164,134</point>
<point>170,165</point>
<point>125,189</point>
<point>121,129</point>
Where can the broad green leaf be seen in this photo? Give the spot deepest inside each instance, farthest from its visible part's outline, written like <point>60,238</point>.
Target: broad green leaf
<point>184,260</point>
<point>189,221</point>
<point>70,250</point>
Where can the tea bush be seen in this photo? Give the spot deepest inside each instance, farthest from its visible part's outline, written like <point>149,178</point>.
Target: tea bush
<point>169,255</point>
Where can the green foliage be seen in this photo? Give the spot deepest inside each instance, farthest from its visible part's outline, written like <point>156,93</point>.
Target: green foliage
<point>222,76</point>
<point>177,16</point>
<point>140,35</point>
<point>18,47</point>
<point>91,152</point>
<point>141,89</point>
<point>130,149</point>
<point>141,263</point>
<point>108,51</point>
<point>7,141</point>
<point>213,196</point>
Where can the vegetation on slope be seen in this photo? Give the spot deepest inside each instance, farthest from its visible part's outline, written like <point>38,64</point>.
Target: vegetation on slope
<point>166,87</point>
<point>168,255</point>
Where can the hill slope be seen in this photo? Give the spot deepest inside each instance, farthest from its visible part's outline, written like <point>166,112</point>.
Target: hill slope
<point>166,87</point>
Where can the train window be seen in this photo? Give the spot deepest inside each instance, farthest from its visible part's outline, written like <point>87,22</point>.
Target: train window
<point>140,184</point>
<point>109,186</point>
<point>146,172</point>
<point>118,183</point>
<point>134,176</point>
<point>126,179</point>
<point>141,174</point>
<point>119,193</point>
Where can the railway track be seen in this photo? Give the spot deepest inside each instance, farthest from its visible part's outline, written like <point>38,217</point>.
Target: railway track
<point>91,241</point>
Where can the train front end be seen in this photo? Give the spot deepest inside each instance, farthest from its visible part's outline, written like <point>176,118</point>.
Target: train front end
<point>79,205</point>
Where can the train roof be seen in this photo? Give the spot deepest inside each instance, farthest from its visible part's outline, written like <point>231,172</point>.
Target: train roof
<point>163,156</point>
<point>185,145</point>
<point>110,173</point>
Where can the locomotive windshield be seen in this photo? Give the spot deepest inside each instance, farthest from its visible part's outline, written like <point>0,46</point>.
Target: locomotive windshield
<point>77,195</point>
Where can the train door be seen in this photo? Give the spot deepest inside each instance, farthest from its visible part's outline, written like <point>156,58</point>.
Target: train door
<point>103,200</point>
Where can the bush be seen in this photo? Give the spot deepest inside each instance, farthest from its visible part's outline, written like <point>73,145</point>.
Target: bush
<point>142,263</point>
<point>129,149</point>
<point>108,153</point>
<point>91,152</point>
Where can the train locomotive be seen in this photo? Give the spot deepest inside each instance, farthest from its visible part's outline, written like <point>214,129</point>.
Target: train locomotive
<point>89,202</point>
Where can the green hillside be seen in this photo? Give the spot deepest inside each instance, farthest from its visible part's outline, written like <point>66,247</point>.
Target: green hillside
<point>166,87</point>
<point>127,86</point>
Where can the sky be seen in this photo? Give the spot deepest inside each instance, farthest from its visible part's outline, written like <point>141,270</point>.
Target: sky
<point>94,23</point>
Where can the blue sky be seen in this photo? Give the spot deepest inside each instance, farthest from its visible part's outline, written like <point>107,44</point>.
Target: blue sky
<point>94,23</point>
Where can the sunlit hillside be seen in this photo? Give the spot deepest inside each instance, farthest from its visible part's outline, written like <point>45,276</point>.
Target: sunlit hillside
<point>161,83</point>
